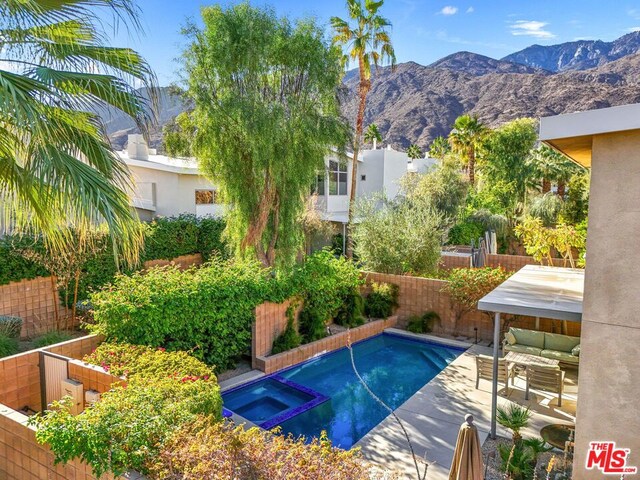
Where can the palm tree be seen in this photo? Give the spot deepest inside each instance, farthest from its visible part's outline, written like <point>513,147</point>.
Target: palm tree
<point>373,135</point>
<point>439,148</point>
<point>366,40</point>
<point>57,167</point>
<point>515,418</point>
<point>566,169</point>
<point>545,160</point>
<point>466,139</point>
<point>414,152</point>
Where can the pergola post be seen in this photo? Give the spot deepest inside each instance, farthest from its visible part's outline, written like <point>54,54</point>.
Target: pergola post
<point>494,390</point>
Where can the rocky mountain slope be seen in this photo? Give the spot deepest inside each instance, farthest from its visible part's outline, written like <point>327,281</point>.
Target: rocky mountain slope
<point>416,103</point>
<point>579,55</point>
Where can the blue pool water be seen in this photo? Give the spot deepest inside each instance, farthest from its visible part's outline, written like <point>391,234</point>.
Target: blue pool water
<point>331,398</point>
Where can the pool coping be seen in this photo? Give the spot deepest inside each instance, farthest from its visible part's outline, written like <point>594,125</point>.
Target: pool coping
<point>319,397</point>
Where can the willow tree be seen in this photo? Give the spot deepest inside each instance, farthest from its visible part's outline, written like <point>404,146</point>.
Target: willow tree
<point>57,167</point>
<point>366,40</point>
<point>266,114</point>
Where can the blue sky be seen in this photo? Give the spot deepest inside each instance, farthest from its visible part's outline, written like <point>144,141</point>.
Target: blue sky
<point>423,30</point>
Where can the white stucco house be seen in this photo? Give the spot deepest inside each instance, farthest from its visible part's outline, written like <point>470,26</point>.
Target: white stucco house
<point>165,186</point>
<point>379,171</point>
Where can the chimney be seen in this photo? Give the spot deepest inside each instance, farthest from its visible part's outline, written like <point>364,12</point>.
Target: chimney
<point>137,147</point>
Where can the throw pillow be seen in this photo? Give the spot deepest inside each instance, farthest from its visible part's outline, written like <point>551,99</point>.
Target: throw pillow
<point>576,351</point>
<point>511,338</point>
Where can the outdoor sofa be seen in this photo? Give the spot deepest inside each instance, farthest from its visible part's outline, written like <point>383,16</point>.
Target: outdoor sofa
<point>564,348</point>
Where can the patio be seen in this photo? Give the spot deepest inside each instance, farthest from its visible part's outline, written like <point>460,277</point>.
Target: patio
<point>433,415</point>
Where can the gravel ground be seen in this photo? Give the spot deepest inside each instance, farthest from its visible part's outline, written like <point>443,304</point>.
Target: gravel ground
<point>243,366</point>
<point>493,462</point>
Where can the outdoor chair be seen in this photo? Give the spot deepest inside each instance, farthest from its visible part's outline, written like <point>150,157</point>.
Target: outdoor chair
<point>549,379</point>
<point>484,369</point>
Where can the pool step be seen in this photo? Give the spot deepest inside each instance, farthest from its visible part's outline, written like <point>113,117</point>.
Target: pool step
<point>432,361</point>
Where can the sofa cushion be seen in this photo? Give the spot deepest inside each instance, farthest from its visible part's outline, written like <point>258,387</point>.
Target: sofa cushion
<point>510,338</point>
<point>522,349</point>
<point>560,356</point>
<point>561,343</point>
<point>530,338</point>
<point>576,351</point>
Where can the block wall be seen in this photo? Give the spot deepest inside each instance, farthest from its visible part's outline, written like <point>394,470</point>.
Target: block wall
<point>183,262</point>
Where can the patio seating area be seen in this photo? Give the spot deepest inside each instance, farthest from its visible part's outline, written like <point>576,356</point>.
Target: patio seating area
<point>433,415</point>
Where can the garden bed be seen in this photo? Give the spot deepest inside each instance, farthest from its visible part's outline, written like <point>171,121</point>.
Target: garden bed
<point>273,363</point>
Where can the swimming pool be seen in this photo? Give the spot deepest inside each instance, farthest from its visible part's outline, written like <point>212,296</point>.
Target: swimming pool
<point>325,394</point>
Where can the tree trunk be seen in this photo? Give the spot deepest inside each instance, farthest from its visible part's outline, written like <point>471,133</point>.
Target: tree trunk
<point>546,185</point>
<point>75,297</point>
<point>472,166</point>
<point>561,189</point>
<point>365,85</point>
<point>55,301</point>
<point>258,223</point>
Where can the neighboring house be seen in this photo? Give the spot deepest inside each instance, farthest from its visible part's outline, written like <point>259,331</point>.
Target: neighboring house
<point>379,172</point>
<point>165,186</point>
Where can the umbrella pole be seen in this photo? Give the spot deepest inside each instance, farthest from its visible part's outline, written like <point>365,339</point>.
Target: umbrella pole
<point>494,390</point>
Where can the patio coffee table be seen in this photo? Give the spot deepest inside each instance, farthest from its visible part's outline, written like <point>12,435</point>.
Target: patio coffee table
<point>524,359</point>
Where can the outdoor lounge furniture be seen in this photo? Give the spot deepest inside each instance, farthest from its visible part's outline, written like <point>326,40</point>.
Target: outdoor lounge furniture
<point>549,379</point>
<point>559,347</point>
<point>484,369</point>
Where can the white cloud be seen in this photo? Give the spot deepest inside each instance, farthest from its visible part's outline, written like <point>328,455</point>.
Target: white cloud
<point>531,28</point>
<point>633,29</point>
<point>470,10</point>
<point>634,13</point>
<point>449,10</point>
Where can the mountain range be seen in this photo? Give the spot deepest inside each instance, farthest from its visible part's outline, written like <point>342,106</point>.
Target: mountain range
<point>415,103</point>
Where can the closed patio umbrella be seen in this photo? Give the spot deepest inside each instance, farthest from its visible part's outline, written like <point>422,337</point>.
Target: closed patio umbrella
<point>467,457</point>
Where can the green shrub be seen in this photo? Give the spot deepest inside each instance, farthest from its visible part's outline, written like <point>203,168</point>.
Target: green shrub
<point>324,282</point>
<point>289,338</point>
<point>382,300</point>
<point>14,267</point>
<point>208,311</point>
<point>351,312</point>
<point>146,362</point>
<point>51,338</point>
<point>127,428</point>
<point>210,243</point>
<point>10,326</point>
<point>423,323</point>
<point>464,232</point>
<point>517,461</point>
<point>8,346</point>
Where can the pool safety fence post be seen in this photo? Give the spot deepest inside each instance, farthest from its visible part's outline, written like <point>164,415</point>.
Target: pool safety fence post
<point>494,390</point>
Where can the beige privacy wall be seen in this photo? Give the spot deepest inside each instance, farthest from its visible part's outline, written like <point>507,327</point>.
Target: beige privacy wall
<point>183,262</point>
<point>32,300</point>
<point>419,295</point>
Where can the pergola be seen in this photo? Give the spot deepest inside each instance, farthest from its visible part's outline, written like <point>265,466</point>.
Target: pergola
<point>535,291</point>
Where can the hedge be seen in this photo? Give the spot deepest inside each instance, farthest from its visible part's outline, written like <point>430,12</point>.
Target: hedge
<point>165,238</point>
<point>208,310</point>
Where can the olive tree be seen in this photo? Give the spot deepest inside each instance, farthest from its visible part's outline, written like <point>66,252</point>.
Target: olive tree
<point>398,236</point>
<point>266,112</point>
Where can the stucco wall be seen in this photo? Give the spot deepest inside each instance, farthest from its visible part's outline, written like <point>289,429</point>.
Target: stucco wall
<point>175,193</point>
<point>609,376</point>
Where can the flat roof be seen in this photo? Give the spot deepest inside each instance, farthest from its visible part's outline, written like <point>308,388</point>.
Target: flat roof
<point>572,133</point>
<point>539,291</point>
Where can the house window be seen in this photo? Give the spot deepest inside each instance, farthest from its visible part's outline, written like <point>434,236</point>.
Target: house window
<point>363,178</point>
<point>337,178</point>
<point>206,197</point>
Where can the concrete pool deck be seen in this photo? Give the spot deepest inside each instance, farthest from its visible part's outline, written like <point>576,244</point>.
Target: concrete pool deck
<point>433,415</point>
